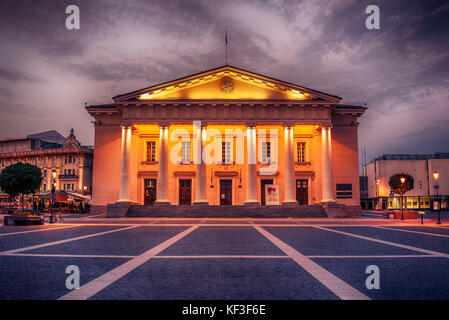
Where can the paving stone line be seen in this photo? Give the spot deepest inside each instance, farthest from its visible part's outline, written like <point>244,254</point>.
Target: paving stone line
<point>340,288</point>
<point>43,229</point>
<point>430,252</point>
<point>91,288</point>
<point>412,231</point>
<point>47,244</point>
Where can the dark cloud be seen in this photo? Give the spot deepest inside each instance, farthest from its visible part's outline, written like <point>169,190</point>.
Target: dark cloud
<point>399,70</point>
<point>16,75</point>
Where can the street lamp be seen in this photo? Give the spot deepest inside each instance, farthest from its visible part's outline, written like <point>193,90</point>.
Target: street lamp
<point>436,187</point>
<point>402,198</point>
<point>377,194</point>
<point>84,189</point>
<point>53,183</point>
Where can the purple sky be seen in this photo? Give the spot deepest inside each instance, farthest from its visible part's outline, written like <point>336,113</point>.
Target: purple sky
<point>401,71</point>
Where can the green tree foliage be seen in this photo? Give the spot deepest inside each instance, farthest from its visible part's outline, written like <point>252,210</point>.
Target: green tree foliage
<point>20,178</point>
<point>397,186</point>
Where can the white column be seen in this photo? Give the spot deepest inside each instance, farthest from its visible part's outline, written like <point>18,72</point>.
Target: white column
<point>200,181</point>
<point>290,184</point>
<point>251,168</point>
<point>326,158</point>
<point>162,173</point>
<point>124,164</point>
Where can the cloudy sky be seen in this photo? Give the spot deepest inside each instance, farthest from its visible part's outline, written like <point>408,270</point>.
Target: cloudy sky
<point>401,71</point>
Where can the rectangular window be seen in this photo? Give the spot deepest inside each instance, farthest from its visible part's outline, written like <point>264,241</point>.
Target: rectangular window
<point>185,151</point>
<point>226,152</point>
<point>73,187</point>
<point>266,152</point>
<point>301,152</point>
<point>44,188</point>
<point>344,191</point>
<point>151,151</point>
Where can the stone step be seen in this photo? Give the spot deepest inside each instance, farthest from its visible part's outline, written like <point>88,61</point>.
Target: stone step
<point>314,211</point>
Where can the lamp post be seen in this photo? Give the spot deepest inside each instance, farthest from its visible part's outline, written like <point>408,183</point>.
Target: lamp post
<point>402,198</point>
<point>436,187</point>
<point>84,190</point>
<point>53,182</point>
<point>377,194</point>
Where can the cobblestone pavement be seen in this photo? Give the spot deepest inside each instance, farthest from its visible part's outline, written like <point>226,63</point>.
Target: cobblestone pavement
<point>256,259</point>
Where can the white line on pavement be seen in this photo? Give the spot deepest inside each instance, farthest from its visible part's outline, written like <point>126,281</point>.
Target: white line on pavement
<point>431,252</point>
<point>336,285</point>
<point>91,288</point>
<point>223,257</point>
<point>66,255</point>
<point>412,231</point>
<point>43,229</point>
<point>376,256</point>
<point>47,244</point>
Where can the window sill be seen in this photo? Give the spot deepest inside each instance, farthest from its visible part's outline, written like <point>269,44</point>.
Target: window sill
<point>267,164</point>
<point>149,163</point>
<point>303,163</point>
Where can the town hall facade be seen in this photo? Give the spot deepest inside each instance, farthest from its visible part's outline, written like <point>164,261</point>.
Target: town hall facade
<point>226,137</point>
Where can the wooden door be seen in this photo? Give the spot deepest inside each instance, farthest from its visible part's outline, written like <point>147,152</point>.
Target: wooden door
<point>149,191</point>
<point>262,190</point>
<point>225,192</point>
<point>302,192</point>
<point>185,192</point>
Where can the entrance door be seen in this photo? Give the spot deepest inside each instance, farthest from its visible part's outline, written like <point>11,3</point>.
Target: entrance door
<point>225,192</point>
<point>149,191</point>
<point>302,192</point>
<point>262,190</point>
<point>185,192</point>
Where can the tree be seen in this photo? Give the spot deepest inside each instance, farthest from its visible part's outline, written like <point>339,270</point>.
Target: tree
<point>20,178</point>
<point>401,183</point>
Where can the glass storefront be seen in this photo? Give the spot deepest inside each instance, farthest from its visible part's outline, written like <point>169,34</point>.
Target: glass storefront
<point>416,203</point>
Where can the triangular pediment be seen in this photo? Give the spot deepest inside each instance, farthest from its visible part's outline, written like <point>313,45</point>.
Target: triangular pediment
<point>227,83</point>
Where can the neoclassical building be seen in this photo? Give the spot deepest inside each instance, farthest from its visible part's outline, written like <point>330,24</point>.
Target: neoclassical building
<point>226,136</point>
<point>51,151</point>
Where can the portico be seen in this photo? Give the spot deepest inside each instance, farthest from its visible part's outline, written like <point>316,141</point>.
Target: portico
<point>219,138</point>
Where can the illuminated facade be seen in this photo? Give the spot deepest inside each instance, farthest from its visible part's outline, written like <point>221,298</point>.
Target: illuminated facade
<point>51,151</point>
<point>221,137</point>
<point>422,167</point>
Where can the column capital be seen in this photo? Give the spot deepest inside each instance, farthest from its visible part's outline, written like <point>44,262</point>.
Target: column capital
<point>251,124</point>
<point>289,124</point>
<point>204,124</point>
<point>163,124</point>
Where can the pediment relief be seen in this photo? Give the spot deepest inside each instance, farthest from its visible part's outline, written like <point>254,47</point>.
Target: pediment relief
<point>227,83</point>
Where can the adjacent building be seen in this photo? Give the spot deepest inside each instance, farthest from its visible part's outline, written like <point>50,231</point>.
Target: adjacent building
<point>226,136</point>
<point>422,167</point>
<point>51,151</point>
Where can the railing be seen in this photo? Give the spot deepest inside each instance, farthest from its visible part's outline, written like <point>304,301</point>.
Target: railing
<point>67,177</point>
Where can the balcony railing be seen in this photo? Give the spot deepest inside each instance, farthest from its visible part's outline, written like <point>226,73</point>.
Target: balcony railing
<point>68,177</point>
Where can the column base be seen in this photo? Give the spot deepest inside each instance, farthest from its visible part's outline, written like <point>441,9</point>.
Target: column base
<point>201,203</point>
<point>334,210</point>
<point>324,201</point>
<point>161,203</point>
<point>251,203</point>
<point>118,209</point>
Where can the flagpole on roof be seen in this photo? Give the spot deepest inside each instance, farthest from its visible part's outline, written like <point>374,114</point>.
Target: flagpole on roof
<point>226,44</point>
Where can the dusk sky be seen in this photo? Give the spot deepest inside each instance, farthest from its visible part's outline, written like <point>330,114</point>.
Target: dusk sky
<point>401,71</point>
